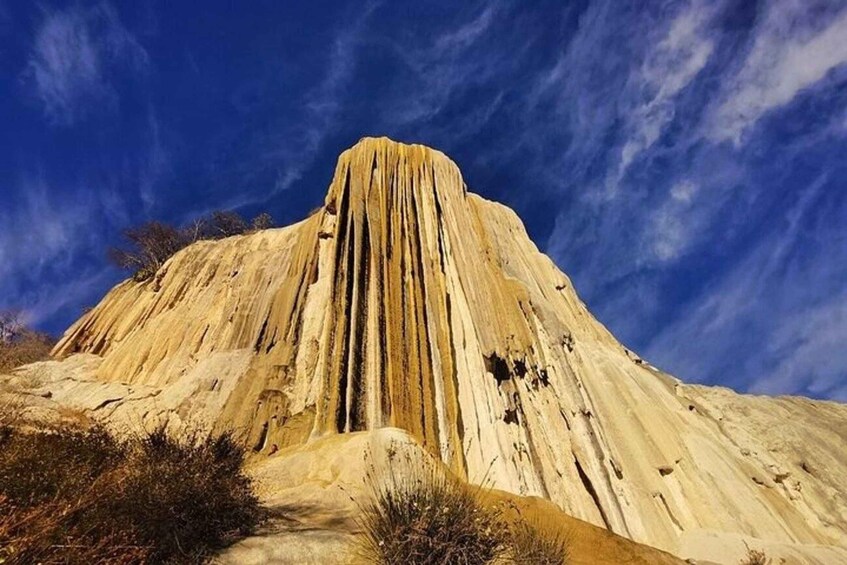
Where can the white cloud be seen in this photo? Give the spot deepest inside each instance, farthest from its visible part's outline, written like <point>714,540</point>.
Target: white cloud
<point>52,296</point>
<point>668,68</point>
<point>444,67</point>
<point>684,191</point>
<point>322,104</point>
<point>775,321</point>
<point>469,33</point>
<point>810,347</point>
<point>44,237</point>
<point>794,48</point>
<point>74,56</point>
<point>676,221</point>
<point>155,163</point>
<point>43,231</point>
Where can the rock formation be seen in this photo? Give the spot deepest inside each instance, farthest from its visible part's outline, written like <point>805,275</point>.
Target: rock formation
<point>407,301</point>
<point>313,487</point>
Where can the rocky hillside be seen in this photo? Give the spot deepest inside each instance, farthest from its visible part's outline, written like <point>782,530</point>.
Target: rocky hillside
<point>407,301</point>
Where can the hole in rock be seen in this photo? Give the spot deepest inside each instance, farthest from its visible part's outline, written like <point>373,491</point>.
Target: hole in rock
<point>263,436</point>
<point>520,368</point>
<point>498,367</point>
<point>511,416</point>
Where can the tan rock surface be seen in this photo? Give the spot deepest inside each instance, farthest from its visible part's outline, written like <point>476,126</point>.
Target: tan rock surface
<point>315,492</point>
<point>408,302</point>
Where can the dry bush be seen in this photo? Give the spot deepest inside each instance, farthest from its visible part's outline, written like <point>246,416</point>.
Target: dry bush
<point>28,348</point>
<point>531,543</point>
<point>755,557</point>
<point>84,497</point>
<point>47,534</point>
<point>20,345</point>
<point>187,496</point>
<point>423,516</point>
<point>38,467</point>
<point>263,221</point>
<point>152,243</point>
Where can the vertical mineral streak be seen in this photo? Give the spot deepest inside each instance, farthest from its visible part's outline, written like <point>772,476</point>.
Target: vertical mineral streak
<point>408,301</point>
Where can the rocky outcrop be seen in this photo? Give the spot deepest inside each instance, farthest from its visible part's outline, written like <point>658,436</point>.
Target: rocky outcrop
<point>407,301</point>
<point>314,494</point>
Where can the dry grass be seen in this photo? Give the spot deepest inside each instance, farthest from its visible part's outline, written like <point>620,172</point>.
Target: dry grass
<point>532,543</point>
<point>425,517</point>
<point>27,347</point>
<point>420,514</point>
<point>755,557</point>
<point>85,497</point>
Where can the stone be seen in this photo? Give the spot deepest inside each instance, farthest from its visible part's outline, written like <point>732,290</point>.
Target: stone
<point>407,301</point>
<point>315,491</point>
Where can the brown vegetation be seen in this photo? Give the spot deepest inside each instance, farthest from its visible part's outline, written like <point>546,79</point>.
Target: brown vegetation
<point>755,557</point>
<point>423,516</point>
<point>19,344</point>
<point>153,243</point>
<point>84,497</point>
<point>532,543</point>
<point>428,517</point>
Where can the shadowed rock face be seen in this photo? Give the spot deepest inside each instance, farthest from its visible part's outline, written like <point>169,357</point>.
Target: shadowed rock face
<point>408,302</point>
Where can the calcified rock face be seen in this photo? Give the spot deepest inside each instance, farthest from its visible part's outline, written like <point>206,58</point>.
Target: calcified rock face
<point>407,301</point>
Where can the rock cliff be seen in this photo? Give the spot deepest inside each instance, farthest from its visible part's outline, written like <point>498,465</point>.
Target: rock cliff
<point>407,301</point>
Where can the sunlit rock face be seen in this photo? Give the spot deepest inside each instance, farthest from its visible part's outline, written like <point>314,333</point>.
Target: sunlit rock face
<point>407,301</point>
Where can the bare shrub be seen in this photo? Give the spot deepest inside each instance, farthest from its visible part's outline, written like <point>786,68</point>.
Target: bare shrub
<point>423,517</point>
<point>20,345</point>
<point>84,497</point>
<point>225,224</point>
<point>153,243</point>
<point>262,222</point>
<point>532,543</point>
<point>755,557</point>
<point>11,324</point>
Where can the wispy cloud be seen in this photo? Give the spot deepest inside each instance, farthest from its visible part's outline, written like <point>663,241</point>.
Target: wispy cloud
<point>41,230</point>
<point>619,91</point>
<point>74,57</point>
<point>667,69</point>
<point>795,45</point>
<point>445,66</point>
<point>670,231</point>
<point>323,103</point>
<point>776,321</point>
<point>154,164</point>
<point>43,238</point>
<point>290,147</point>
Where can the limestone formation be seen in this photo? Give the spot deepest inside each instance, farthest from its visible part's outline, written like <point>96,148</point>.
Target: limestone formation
<point>407,301</point>
<point>315,493</point>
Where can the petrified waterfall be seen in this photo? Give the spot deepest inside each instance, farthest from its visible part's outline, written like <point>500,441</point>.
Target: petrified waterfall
<point>407,301</point>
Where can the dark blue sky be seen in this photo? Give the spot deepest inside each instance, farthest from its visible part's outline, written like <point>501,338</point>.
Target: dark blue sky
<point>683,161</point>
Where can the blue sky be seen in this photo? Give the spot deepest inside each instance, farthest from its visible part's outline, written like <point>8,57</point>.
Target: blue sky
<point>684,162</point>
